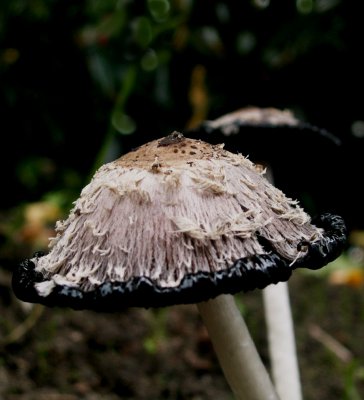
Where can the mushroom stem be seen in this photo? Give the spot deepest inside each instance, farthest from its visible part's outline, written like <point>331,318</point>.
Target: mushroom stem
<point>235,350</point>
<point>281,340</point>
<point>281,337</point>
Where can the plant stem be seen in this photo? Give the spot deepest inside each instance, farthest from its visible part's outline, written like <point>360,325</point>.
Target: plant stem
<point>21,330</point>
<point>235,350</point>
<point>125,92</point>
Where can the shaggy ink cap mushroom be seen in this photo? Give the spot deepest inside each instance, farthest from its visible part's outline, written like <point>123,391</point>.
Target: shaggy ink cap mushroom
<point>287,140</point>
<point>302,156</point>
<point>261,119</point>
<point>175,221</point>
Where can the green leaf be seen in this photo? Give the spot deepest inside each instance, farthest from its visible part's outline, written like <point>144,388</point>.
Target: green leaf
<point>143,31</point>
<point>159,9</point>
<point>123,123</point>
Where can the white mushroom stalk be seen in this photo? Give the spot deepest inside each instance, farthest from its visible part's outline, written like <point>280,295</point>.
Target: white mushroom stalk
<point>235,349</point>
<point>281,337</point>
<point>281,340</point>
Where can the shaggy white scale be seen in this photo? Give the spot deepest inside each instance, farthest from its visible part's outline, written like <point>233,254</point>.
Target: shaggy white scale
<point>172,207</point>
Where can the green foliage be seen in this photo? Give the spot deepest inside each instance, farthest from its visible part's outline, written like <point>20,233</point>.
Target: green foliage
<point>77,74</point>
<point>158,332</point>
<point>354,375</point>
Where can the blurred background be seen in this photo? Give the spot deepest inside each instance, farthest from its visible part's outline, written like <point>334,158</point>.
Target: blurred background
<point>83,82</point>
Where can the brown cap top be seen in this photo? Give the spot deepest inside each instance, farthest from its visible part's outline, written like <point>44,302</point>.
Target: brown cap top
<point>175,221</point>
<point>173,151</point>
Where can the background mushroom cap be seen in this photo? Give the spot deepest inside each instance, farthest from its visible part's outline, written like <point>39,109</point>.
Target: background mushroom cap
<point>303,157</point>
<point>257,118</point>
<point>175,221</point>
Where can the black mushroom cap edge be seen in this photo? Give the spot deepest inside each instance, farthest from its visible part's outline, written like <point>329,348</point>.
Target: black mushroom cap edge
<point>249,273</point>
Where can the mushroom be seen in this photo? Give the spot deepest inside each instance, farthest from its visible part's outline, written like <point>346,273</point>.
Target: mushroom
<point>280,138</point>
<point>256,118</point>
<point>176,221</point>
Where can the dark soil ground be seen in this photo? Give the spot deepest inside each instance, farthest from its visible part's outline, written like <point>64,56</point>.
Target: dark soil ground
<point>166,353</point>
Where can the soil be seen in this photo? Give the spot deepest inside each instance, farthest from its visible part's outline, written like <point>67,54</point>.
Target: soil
<point>166,353</point>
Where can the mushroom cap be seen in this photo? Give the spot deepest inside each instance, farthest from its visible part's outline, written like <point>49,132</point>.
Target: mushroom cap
<point>175,221</point>
<point>303,157</point>
<point>261,119</point>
